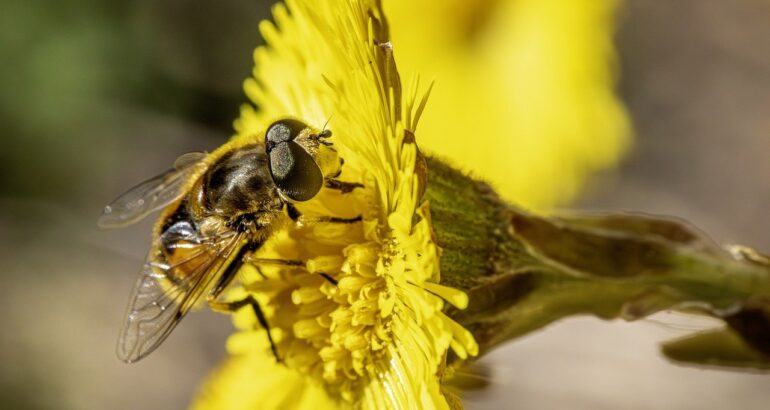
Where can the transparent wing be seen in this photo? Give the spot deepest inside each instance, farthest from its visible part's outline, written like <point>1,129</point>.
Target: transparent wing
<point>151,195</point>
<point>165,292</point>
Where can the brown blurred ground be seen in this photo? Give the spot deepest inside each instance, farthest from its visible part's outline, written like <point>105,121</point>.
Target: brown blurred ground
<point>98,95</point>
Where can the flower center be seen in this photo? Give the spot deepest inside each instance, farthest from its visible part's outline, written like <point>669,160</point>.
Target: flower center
<point>331,317</point>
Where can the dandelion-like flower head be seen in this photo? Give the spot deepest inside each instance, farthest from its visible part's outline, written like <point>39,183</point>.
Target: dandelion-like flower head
<point>378,337</point>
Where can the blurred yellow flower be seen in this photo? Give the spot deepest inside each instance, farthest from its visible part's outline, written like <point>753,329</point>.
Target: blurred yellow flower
<point>524,89</point>
<point>378,337</point>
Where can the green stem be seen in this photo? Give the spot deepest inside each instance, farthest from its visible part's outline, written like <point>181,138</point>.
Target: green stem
<point>522,271</point>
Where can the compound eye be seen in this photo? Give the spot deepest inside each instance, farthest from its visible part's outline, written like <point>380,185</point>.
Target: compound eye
<point>294,171</point>
<point>283,131</point>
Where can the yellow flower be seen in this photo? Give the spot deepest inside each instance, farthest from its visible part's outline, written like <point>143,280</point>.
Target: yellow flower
<point>524,89</point>
<point>378,338</point>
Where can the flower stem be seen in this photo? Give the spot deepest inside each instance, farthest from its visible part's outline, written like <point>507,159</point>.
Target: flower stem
<point>522,271</point>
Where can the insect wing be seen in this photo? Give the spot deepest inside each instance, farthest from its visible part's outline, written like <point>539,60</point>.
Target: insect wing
<point>151,195</point>
<point>165,292</point>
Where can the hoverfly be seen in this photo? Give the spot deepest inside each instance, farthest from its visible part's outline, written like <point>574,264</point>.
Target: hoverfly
<point>219,209</point>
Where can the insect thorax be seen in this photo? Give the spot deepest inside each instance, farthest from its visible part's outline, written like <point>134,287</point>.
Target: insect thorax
<point>240,183</point>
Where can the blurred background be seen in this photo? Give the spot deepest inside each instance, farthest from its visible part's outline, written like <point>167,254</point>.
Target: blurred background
<point>98,95</point>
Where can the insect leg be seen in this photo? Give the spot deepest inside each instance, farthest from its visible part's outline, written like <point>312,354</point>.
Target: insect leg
<point>284,262</point>
<point>296,216</point>
<point>344,187</point>
<point>227,277</point>
<point>248,300</point>
<point>328,278</point>
<point>232,270</point>
<point>332,219</point>
<point>259,271</point>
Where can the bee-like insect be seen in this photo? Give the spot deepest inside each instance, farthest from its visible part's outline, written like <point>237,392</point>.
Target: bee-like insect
<point>219,209</point>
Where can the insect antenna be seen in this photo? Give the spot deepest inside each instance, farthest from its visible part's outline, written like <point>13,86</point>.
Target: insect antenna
<point>324,132</point>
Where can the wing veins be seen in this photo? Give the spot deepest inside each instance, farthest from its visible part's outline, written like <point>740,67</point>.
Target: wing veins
<point>150,195</point>
<point>144,331</point>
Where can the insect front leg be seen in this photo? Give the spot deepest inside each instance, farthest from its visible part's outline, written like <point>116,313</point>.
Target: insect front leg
<point>297,217</point>
<point>344,187</point>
